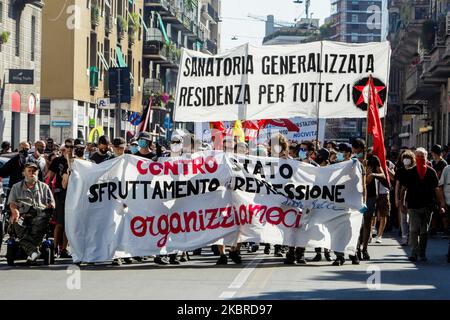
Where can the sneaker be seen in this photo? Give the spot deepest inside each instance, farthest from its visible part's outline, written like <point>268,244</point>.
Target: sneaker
<point>359,255</point>
<point>65,254</point>
<point>412,258</point>
<point>183,259</point>
<point>128,260</point>
<point>138,259</point>
<point>378,240</point>
<point>267,249</point>
<point>254,248</point>
<point>277,252</point>
<point>117,262</point>
<point>33,257</point>
<point>327,256</point>
<point>404,242</point>
<point>197,252</point>
<point>222,260</point>
<point>290,259</point>
<point>235,257</point>
<point>317,258</point>
<point>161,260</point>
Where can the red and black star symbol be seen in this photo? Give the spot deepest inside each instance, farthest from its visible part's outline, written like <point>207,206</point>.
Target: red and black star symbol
<point>361,93</point>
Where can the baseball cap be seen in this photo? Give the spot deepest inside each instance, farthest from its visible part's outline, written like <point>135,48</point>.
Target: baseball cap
<point>436,149</point>
<point>119,142</point>
<point>79,143</point>
<point>134,143</point>
<point>145,136</point>
<point>176,138</point>
<point>31,165</point>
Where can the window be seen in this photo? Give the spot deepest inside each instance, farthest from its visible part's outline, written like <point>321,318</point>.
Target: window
<point>354,37</point>
<point>17,33</point>
<point>355,18</point>
<point>87,53</point>
<point>33,36</point>
<point>1,12</point>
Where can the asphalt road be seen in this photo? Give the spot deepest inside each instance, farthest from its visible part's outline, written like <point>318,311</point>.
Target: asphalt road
<point>389,275</point>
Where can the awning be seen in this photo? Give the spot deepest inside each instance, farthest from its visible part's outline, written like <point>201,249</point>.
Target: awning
<point>120,59</point>
<point>15,102</point>
<point>163,29</point>
<point>103,60</point>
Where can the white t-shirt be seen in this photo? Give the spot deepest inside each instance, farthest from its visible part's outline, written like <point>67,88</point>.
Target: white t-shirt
<point>382,189</point>
<point>445,182</point>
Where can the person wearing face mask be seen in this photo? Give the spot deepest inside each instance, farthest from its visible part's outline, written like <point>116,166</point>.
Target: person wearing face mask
<point>103,154</point>
<point>134,147</point>
<point>345,152</point>
<point>176,146</point>
<point>145,143</point>
<point>306,152</point>
<point>30,230</point>
<point>58,168</point>
<point>407,161</point>
<point>420,188</point>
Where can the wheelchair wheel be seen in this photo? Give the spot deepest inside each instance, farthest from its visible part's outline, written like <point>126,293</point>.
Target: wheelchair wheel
<point>11,252</point>
<point>52,255</point>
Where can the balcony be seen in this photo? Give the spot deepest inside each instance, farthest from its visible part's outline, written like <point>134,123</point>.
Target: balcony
<point>157,4</point>
<point>210,13</point>
<point>109,24</point>
<point>95,16</point>
<point>21,3</point>
<point>210,46</point>
<point>415,86</point>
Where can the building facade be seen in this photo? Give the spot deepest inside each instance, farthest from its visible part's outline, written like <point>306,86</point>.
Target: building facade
<point>20,70</point>
<point>299,33</point>
<point>419,94</point>
<point>173,25</point>
<point>356,21</point>
<point>81,40</point>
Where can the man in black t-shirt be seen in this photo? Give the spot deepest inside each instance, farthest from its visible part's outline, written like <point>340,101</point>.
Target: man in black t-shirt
<point>103,153</point>
<point>438,162</point>
<point>420,185</point>
<point>57,169</point>
<point>145,142</point>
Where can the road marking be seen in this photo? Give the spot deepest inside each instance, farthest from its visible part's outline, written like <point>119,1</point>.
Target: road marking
<point>242,277</point>
<point>227,294</point>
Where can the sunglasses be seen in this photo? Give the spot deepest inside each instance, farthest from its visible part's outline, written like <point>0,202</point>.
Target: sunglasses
<point>68,146</point>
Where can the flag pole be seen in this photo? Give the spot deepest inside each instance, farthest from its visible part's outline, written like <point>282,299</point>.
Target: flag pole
<point>318,98</point>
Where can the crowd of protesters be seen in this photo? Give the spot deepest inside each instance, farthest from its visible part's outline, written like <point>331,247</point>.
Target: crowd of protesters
<point>413,195</point>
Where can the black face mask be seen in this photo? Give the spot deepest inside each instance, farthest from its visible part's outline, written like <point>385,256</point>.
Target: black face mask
<point>24,152</point>
<point>40,150</point>
<point>102,151</point>
<point>79,153</point>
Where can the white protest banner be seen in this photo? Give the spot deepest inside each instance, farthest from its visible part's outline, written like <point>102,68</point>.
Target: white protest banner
<point>307,131</point>
<point>325,79</point>
<point>131,206</point>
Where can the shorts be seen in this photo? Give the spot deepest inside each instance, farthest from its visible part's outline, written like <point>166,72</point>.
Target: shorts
<point>383,205</point>
<point>60,201</point>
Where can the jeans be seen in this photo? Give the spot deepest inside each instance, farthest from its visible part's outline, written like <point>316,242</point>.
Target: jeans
<point>31,233</point>
<point>404,225</point>
<point>419,223</point>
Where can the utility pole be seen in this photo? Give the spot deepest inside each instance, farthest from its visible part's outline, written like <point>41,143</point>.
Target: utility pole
<point>118,110</point>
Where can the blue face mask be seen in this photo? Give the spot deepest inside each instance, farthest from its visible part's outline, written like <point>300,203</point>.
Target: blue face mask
<point>134,149</point>
<point>360,155</point>
<point>340,157</point>
<point>302,155</point>
<point>143,143</point>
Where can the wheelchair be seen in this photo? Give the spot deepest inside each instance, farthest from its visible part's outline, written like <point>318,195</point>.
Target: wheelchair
<point>14,251</point>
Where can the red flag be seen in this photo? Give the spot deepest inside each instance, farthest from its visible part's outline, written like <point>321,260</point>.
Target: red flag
<point>375,129</point>
<point>285,123</point>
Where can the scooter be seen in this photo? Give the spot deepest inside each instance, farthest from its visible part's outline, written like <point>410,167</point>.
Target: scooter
<point>47,248</point>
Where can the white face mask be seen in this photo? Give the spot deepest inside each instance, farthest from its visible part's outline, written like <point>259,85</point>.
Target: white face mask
<point>176,147</point>
<point>407,162</point>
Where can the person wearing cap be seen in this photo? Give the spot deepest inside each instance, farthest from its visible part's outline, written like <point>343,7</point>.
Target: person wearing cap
<point>176,146</point>
<point>119,146</point>
<point>242,148</point>
<point>134,147</point>
<point>145,143</point>
<point>103,154</point>
<point>30,230</point>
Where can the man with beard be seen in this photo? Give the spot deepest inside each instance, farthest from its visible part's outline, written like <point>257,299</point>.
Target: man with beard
<point>103,152</point>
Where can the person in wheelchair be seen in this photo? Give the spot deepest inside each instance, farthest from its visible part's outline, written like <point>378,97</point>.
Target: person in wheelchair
<point>31,203</point>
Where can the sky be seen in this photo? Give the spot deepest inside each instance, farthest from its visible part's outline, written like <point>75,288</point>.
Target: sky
<point>235,20</point>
